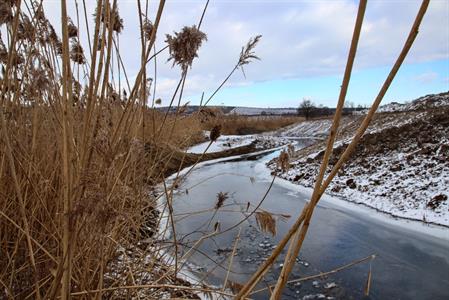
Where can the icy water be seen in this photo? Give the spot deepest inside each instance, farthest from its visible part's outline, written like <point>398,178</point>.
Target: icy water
<point>408,265</point>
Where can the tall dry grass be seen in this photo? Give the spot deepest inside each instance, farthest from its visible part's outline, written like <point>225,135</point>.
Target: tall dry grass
<point>81,149</point>
<point>240,125</point>
<point>76,154</point>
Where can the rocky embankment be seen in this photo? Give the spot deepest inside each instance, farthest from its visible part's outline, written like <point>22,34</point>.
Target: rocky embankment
<point>400,167</point>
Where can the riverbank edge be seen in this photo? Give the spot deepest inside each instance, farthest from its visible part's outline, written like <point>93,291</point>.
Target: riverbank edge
<point>431,229</point>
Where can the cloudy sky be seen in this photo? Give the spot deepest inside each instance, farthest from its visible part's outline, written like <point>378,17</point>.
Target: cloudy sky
<point>303,49</point>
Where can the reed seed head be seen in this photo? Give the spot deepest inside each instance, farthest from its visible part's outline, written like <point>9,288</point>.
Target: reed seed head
<point>6,15</point>
<point>148,28</point>
<point>215,133</point>
<point>247,52</point>
<point>221,198</point>
<point>184,46</point>
<point>77,53</point>
<point>26,29</point>
<point>114,17</point>
<point>39,82</point>
<point>113,96</point>
<point>3,51</point>
<point>72,29</point>
<point>40,15</point>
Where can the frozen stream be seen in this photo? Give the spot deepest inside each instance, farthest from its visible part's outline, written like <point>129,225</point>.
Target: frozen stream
<point>409,264</point>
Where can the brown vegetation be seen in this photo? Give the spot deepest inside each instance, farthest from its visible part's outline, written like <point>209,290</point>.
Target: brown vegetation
<point>74,159</point>
<point>79,153</point>
<point>241,125</point>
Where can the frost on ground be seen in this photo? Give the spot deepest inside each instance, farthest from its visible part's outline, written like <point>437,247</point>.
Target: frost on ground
<point>400,167</point>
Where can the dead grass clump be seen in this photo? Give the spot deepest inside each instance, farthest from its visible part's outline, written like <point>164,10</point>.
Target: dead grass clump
<point>240,125</point>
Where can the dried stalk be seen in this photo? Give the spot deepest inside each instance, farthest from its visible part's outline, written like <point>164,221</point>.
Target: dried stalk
<point>67,156</point>
<point>308,209</point>
<point>361,130</point>
<point>231,258</point>
<point>295,245</point>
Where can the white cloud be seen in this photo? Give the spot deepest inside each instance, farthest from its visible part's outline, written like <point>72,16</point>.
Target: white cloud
<point>427,77</point>
<point>300,38</point>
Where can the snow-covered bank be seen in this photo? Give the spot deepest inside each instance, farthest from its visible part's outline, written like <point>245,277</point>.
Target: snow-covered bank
<point>401,166</point>
<point>363,210</point>
<point>226,142</point>
<point>360,208</point>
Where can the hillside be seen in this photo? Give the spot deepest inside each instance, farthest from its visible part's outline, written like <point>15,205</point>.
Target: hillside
<point>400,167</point>
<point>422,103</point>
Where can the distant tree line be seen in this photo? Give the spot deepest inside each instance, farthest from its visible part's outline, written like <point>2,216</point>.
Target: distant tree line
<point>308,109</point>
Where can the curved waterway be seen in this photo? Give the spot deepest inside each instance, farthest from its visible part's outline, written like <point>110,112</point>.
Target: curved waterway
<point>408,264</point>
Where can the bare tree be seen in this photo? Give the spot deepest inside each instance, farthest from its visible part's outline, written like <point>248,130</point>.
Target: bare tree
<point>306,108</point>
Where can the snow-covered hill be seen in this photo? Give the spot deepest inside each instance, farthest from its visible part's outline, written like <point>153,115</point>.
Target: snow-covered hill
<point>400,167</point>
<point>422,103</point>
